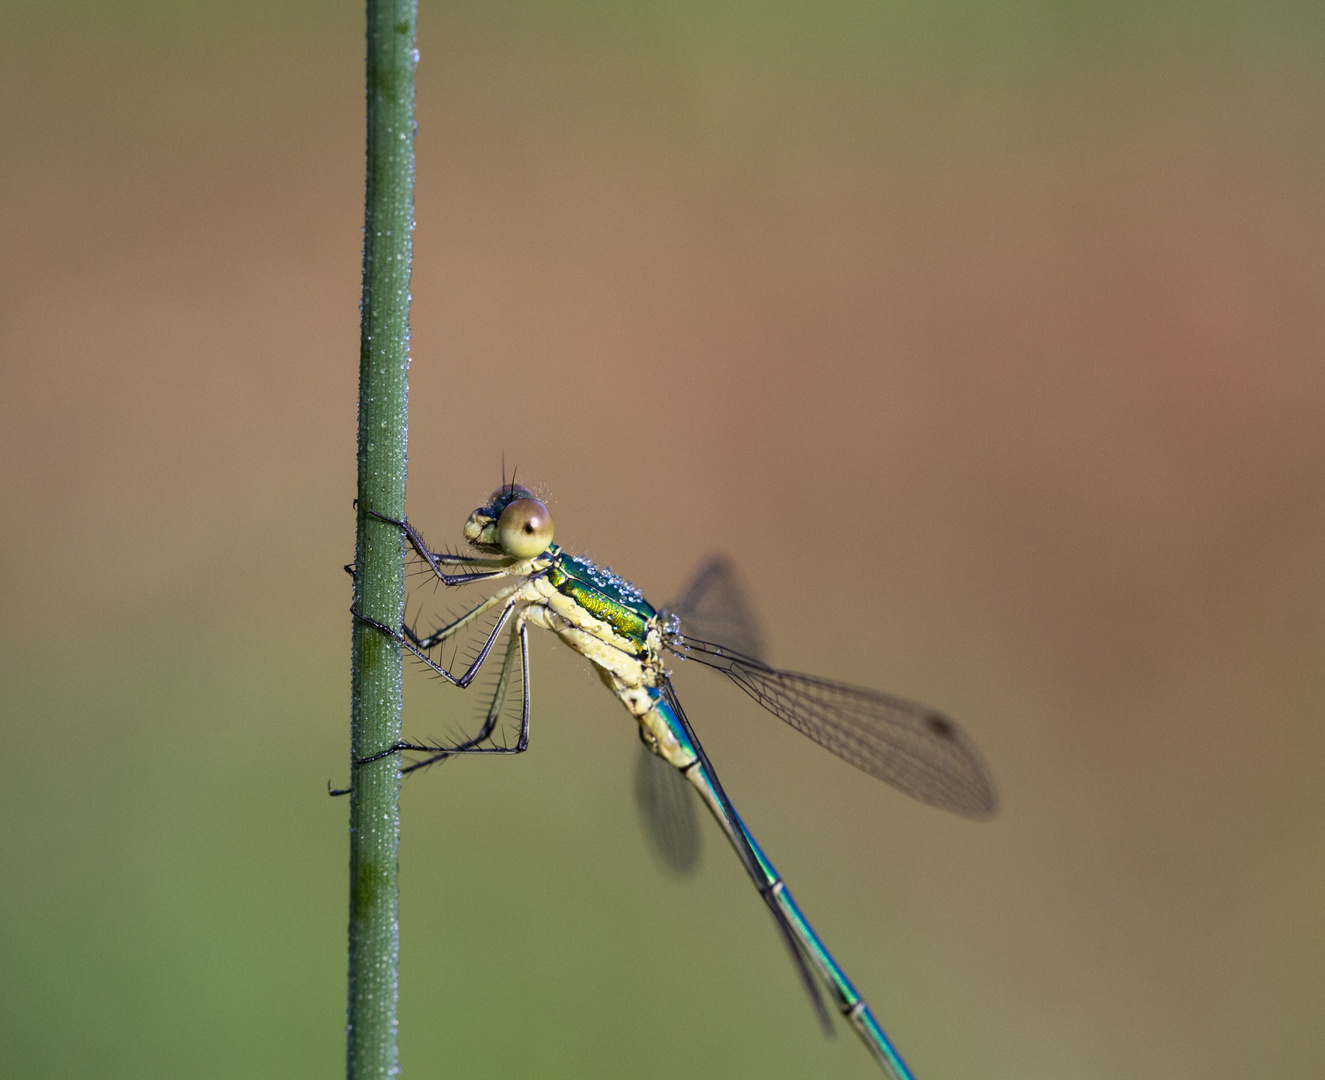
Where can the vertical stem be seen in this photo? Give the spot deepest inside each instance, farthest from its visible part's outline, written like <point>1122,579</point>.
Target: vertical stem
<point>379,579</point>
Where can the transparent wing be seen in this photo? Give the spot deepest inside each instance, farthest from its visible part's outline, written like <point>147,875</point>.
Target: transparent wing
<point>667,808</point>
<point>714,607</point>
<point>910,746</point>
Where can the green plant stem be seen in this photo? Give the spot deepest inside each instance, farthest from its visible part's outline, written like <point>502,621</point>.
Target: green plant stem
<point>379,568</point>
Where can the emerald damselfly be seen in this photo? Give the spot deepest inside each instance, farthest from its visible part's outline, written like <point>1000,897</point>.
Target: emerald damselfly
<point>607,620</point>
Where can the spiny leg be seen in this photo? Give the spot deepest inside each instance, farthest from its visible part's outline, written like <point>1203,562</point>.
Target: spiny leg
<point>472,744</point>
<point>404,639</point>
<point>494,709</point>
<point>468,746</point>
<point>440,635</point>
<point>436,559</point>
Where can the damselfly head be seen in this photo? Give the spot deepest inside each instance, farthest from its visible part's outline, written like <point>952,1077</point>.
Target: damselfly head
<point>512,522</point>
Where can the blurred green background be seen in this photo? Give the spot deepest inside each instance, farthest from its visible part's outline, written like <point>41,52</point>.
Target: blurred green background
<point>987,336</point>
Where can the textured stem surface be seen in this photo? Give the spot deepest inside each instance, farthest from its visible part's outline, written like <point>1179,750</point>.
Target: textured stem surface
<point>379,577</point>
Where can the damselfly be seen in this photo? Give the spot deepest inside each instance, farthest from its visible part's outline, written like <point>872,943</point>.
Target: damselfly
<point>606,619</point>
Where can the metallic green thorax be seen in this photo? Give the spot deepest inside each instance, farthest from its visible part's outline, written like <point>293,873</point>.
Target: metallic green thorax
<point>604,595</point>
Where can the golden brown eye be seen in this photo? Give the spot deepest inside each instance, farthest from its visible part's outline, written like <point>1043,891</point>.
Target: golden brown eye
<point>524,529</point>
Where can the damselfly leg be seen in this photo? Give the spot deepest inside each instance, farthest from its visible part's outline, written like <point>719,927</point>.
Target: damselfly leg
<point>517,641</point>
<point>407,639</point>
<point>419,645</point>
<point>437,559</point>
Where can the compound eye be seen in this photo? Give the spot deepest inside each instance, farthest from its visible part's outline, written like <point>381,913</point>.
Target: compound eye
<point>524,529</point>
<point>509,493</point>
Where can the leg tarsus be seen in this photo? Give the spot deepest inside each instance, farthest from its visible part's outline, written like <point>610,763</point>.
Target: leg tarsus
<point>392,634</point>
<point>439,752</point>
<point>403,523</point>
<point>382,754</point>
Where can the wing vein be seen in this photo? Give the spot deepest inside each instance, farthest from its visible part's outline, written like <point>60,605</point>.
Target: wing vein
<point>916,749</point>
